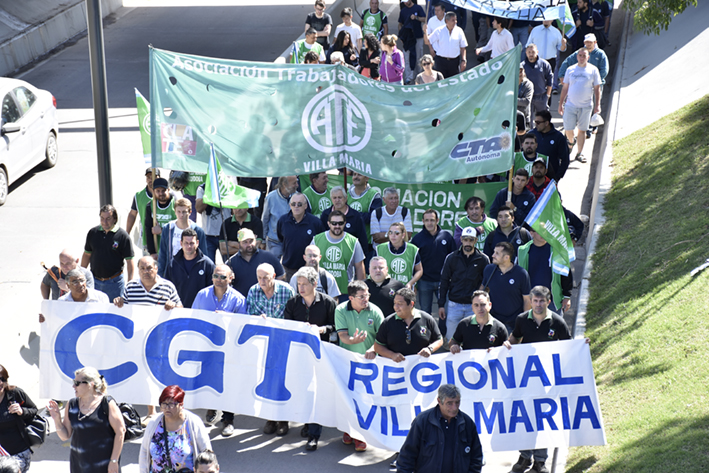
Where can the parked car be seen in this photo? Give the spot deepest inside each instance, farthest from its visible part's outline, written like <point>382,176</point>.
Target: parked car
<point>28,135</point>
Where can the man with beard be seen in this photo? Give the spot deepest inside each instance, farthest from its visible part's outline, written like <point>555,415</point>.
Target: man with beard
<point>241,218</point>
<point>249,257</point>
<point>552,143</point>
<point>506,231</point>
<point>475,209</point>
<point>164,213</point>
<point>539,180</point>
<point>354,225</point>
<point>525,159</point>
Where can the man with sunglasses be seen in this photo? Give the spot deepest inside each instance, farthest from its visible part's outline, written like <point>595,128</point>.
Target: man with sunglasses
<point>551,143</point>
<point>221,297</point>
<point>295,230</point>
<point>342,254</point>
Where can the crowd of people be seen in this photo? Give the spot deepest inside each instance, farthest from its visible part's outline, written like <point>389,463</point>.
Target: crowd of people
<point>345,258</point>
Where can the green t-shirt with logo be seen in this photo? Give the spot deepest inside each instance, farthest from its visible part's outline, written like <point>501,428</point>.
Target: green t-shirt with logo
<point>337,257</point>
<point>363,203</point>
<point>302,50</point>
<point>194,181</point>
<point>489,225</point>
<point>142,199</point>
<point>373,23</point>
<point>318,202</point>
<point>164,216</point>
<point>401,266</point>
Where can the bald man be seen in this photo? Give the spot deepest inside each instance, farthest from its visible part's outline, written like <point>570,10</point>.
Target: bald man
<point>54,281</point>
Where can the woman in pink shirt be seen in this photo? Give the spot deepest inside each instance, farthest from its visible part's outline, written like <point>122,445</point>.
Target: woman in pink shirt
<point>391,68</point>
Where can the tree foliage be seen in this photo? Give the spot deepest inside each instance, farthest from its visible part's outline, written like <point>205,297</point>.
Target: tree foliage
<point>653,16</point>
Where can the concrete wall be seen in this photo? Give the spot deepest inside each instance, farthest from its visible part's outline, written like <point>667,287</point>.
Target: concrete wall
<point>31,28</point>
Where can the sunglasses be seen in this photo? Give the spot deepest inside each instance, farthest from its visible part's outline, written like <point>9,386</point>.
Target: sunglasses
<point>296,204</point>
<point>427,63</point>
<point>3,380</point>
<point>221,277</point>
<point>77,383</point>
<point>337,224</point>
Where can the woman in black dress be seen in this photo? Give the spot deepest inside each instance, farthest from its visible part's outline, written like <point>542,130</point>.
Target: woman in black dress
<point>94,424</point>
<point>16,408</point>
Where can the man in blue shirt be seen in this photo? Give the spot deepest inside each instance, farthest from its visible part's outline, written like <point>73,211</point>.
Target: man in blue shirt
<point>221,297</point>
<point>434,245</point>
<point>296,230</point>
<point>249,257</point>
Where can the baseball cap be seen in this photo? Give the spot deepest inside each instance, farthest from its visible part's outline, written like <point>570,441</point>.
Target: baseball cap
<point>150,171</point>
<point>160,182</point>
<point>540,160</point>
<point>471,232</point>
<point>590,37</point>
<point>245,234</point>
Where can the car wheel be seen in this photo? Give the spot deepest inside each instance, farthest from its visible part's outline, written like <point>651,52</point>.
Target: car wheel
<point>51,151</point>
<point>4,188</point>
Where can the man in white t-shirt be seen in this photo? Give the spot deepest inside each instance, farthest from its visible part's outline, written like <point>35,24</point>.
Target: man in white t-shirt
<point>582,94</point>
<point>353,29</point>
<point>383,217</point>
<point>435,21</point>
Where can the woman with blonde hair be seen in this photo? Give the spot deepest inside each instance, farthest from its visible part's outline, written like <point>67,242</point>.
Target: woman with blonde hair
<point>392,65</point>
<point>94,424</point>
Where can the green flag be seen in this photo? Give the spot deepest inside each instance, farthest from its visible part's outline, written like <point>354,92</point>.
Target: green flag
<point>269,119</point>
<point>220,191</point>
<point>547,218</point>
<point>144,125</point>
<point>567,23</point>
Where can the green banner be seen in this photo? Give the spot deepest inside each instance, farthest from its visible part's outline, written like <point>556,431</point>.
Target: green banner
<point>447,198</point>
<point>270,119</point>
<point>144,124</point>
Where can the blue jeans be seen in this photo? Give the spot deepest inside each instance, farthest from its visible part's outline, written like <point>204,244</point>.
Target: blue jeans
<point>212,247</point>
<point>426,291</point>
<point>112,288</point>
<point>539,454</point>
<point>454,314</point>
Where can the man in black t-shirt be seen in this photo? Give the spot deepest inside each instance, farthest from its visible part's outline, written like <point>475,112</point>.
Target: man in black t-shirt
<point>508,285</point>
<point>479,331</point>
<point>322,22</point>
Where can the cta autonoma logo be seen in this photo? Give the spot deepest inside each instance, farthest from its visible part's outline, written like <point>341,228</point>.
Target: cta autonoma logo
<point>482,149</point>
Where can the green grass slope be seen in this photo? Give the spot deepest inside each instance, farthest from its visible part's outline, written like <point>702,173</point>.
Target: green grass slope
<point>648,319</point>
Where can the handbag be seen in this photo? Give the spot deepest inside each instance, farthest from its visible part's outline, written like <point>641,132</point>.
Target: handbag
<point>131,418</point>
<point>34,431</point>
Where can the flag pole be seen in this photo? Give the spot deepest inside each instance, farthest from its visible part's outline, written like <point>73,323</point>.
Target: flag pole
<point>509,185</point>
<point>155,217</point>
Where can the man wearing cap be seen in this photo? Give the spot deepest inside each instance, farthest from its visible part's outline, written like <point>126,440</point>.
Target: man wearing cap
<point>580,98</point>
<point>171,232</point>
<point>506,231</point>
<point>249,257</point>
<point>107,246</point>
<point>140,202</point>
<point>539,180</point>
<point>240,219</point>
<point>190,270</point>
<point>164,213</point>
<point>461,274</point>
<point>522,200</point>
<point>597,57</point>
<point>551,143</point>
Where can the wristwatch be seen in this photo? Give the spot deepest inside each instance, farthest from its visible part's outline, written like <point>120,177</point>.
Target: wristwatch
<point>114,461</point>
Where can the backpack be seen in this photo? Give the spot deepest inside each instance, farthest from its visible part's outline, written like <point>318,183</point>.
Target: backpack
<point>324,282</point>
<point>131,418</point>
<point>378,212</point>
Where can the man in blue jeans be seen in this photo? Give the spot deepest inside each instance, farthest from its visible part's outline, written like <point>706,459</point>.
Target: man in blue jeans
<point>461,275</point>
<point>434,245</point>
<point>107,246</point>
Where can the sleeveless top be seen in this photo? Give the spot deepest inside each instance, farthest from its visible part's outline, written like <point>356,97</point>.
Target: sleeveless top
<point>91,440</point>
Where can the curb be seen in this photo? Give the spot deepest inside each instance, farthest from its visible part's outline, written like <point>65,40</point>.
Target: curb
<point>41,38</point>
<point>602,182</point>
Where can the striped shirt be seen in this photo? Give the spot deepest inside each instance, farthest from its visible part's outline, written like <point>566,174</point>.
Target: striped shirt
<point>161,292</point>
<point>258,303</point>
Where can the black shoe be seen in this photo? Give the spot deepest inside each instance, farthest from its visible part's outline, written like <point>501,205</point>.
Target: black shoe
<point>393,462</point>
<point>539,468</point>
<point>281,428</point>
<point>521,465</point>
<point>312,444</point>
<point>304,432</point>
<point>588,134</point>
<point>211,416</point>
<point>270,427</point>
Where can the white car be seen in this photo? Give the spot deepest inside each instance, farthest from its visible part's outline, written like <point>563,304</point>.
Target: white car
<point>28,136</point>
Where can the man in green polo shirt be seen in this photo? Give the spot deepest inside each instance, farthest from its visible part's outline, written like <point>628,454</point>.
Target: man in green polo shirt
<point>357,322</point>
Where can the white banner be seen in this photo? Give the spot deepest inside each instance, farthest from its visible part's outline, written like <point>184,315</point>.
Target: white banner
<point>532,396</point>
<point>526,10</point>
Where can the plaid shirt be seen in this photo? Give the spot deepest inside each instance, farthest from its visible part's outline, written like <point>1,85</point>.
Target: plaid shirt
<point>257,302</point>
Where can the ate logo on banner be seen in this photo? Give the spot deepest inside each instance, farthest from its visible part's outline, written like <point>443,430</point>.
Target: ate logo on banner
<point>333,254</point>
<point>335,120</point>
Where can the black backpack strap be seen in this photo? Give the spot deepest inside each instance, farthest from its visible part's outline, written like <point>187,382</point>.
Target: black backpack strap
<point>323,282</point>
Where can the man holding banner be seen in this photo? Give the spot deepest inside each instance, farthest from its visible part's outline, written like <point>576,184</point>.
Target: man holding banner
<point>537,325</point>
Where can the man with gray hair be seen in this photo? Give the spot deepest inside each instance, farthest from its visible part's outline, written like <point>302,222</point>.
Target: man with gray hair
<point>391,212</point>
<point>326,283</point>
<point>79,292</point>
<point>354,224</point>
<point>274,207</point>
<point>537,325</point>
<point>442,438</point>
<point>314,308</point>
<point>9,465</point>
